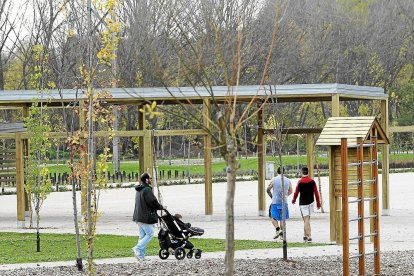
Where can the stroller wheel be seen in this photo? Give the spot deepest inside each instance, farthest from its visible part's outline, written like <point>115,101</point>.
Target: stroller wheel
<point>198,254</point>
<point>179,253</point>
<point>190,254</point>
<point>163,254</point>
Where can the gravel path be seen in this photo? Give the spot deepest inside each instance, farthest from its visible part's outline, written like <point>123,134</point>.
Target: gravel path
<point>393,263</point>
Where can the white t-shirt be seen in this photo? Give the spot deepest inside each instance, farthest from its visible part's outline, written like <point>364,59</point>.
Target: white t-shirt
<point>277,189</point>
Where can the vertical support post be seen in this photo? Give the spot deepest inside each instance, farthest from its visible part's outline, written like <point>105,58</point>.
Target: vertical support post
<point>115,142</point>
<point>208,186</point>
<point>141,124</point>
<point>20,181</point>
<point>374,168</point>
<point>25,114</point>
<point>332,203</point>
<point>371,188</point>
<point>345,221</point>
<point>361,211</point>
<point>148,158</point>
<point>261,159</point>
<point>338,220</point>
<point>335,105</point>
<point>385,161</point>
<point>310,153</point>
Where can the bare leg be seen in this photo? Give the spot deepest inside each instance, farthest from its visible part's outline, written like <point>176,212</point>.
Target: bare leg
<point>278,226</point>
<point>275,223</point>
<point>307,227</point>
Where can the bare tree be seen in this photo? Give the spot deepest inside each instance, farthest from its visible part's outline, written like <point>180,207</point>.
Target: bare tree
<point>5,30</point>
<point>210,41</point>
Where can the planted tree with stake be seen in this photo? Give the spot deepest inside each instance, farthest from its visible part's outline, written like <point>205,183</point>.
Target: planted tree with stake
<point>37,182</point>
<point>212,44</point>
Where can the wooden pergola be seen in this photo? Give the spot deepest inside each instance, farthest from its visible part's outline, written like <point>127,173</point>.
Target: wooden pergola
<point>333,93</point>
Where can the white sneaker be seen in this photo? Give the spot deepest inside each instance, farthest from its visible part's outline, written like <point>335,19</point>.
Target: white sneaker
<point>281,234</point>
<point>136,255</point>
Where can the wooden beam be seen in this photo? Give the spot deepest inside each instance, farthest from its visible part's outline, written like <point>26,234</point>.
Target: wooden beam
<point>179,132</point>
<point>394,129</point>
<point>269,131</point>
<point>261,158</point>
<point>120,133</point>
<point>208,183</point>
<point>7,135</point>
<point>20,181</point>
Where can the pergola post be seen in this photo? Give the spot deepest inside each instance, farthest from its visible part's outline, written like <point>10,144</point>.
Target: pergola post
<point>145,143</point>
<point>148,153</point>
<point>310,153</point>
<point>20,181</point>
<point>335,213</point>
<point>115,142</point>
<point>385,160</point>
<point>208,186</point>
<point>25,114</point>
<point>335,105</point>
<point>141,124</point>
<point>261,159</point>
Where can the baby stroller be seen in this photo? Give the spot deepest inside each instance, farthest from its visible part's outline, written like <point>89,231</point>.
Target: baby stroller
<point>173,238</point>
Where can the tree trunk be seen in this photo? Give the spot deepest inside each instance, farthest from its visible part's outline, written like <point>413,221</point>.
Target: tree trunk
<point>231,188</point>
<point>37,229</point>
<point>320,186</point>
<point>79,264</point>
<point>1,73</point>
<point>283,208</point>
<point>91,145</point>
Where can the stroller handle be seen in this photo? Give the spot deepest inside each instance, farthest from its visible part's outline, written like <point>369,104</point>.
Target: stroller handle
<point>166,211</point>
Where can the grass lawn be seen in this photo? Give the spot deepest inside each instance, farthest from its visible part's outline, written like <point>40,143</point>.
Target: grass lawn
<point>21,247</point>
<point>249,164</point>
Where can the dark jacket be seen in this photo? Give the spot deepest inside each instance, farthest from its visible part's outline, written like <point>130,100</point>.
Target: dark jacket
<point>146,205</point>
<point>307,189</point>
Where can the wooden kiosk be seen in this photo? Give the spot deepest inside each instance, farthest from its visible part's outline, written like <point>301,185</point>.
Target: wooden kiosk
<point>353,182</point>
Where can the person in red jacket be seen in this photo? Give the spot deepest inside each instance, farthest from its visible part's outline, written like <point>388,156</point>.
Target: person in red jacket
<point>307,189</point>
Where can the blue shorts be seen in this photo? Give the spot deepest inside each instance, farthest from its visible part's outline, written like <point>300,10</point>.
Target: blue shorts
<point>277,212</point>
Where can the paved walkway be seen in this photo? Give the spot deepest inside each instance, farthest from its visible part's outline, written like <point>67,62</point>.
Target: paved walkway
<point>117,206</point>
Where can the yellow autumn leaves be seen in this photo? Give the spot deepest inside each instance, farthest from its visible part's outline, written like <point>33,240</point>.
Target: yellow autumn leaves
<point>149,110</point>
